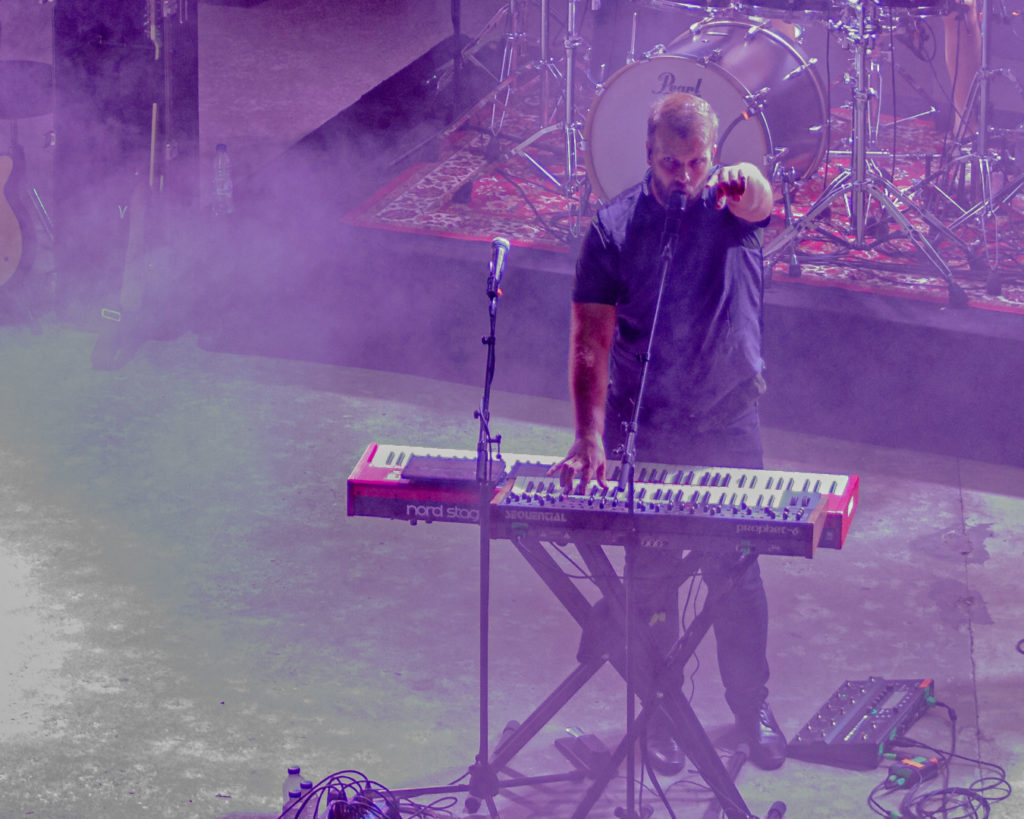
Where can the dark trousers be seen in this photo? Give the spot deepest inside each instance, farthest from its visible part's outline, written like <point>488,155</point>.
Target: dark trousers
<point>741,617</point>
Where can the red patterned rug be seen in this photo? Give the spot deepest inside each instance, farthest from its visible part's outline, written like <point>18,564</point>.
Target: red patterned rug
<point>481,186</point>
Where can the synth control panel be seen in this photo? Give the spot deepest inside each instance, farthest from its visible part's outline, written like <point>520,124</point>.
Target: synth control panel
<point>854,725</point>
<point>704,505</point>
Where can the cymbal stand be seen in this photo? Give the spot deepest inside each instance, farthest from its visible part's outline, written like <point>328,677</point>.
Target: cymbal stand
<point>513,78</point>
<point>570,182</point>
<point>512,73</point>
<point>978,162</point>
<point>861,183</point>
<point>506,23</point>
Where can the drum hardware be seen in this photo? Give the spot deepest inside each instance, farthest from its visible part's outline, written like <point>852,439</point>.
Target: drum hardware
<point>861,184</point>
<point>788,180</point>
<point>514,79</point>
<point>768,96</point>
<point>569,183</point>
<point>510,56</point>
<point>633,34</point>
<point>968,167</point>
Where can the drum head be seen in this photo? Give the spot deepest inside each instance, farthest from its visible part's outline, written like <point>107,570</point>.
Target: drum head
<point>769,100</point>
<point>616,130</point>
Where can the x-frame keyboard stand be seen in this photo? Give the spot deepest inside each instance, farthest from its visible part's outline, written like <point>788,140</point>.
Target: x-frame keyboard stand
<point>658,679</point>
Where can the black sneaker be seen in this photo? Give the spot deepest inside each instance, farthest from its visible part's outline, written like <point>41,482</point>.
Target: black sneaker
<point>762,732</point>
<point>665,756</point>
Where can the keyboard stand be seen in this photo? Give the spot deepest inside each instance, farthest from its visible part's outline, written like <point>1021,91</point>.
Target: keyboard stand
<point>658,679</point>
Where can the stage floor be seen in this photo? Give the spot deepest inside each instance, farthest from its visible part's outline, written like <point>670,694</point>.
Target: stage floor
<point>188,609</point>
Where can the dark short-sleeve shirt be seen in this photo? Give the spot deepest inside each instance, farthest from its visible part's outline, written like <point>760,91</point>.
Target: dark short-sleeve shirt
<point>708,338</point>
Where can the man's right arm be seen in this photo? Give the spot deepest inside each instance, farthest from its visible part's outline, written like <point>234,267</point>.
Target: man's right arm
<point>590,342</point>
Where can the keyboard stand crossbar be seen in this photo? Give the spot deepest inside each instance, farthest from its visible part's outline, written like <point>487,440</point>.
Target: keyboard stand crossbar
<point>659,678</point>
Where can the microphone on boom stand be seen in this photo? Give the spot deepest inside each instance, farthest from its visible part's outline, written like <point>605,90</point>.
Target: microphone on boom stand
<point>500,247</point>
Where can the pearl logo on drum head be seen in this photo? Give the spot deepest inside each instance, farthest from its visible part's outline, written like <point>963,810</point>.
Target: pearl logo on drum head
<point>668,84</point>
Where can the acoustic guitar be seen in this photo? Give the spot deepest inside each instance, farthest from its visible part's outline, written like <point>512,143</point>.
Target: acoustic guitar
<point>17,231</point>
<point>11,245</point>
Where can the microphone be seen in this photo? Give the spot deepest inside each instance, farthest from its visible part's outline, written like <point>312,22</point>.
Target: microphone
<point>673,216</point>
<point>499,250</point>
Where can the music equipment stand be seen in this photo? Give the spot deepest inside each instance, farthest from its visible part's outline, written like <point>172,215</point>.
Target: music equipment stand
<point>484,783</point>
<point>977,156</point>
<point>862,183</point>
<point>513,80</point>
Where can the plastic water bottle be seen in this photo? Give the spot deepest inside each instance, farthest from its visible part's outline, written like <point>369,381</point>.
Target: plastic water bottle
<point>292,785</point>
<point>305,808</point>
<point>223,188</point>
<point>291,805</point>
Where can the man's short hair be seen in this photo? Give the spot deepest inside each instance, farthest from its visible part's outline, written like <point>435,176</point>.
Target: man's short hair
<point>687,115</point>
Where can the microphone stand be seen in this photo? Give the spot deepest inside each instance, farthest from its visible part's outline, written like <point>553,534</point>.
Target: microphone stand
<point>483,781</point>
<point>670,234</point>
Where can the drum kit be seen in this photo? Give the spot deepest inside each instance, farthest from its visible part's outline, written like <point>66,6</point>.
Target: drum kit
<point>747,60</point>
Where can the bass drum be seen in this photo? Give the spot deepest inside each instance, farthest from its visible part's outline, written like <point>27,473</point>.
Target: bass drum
<point>770,101</point>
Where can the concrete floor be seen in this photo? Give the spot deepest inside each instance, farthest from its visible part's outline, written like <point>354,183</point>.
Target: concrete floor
<point>187,608</point>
